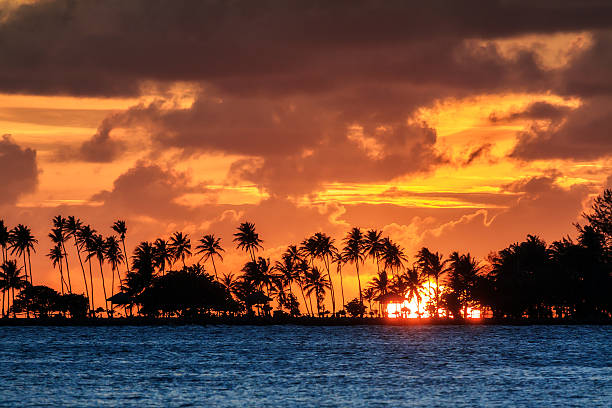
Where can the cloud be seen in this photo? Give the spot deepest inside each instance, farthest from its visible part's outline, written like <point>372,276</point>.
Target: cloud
<point>19,168</point>
<point>583,135</point>
<point>535,111</point>
<point>114,48</point>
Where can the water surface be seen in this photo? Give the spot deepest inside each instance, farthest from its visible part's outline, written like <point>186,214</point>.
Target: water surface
<point>272,366</point>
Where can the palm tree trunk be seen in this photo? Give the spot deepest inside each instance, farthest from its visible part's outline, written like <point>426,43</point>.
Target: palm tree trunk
<point>331,285</point>
<point>127,268</point>
<point>67,268</point>
<point>25,266</point>
<point>310,301</point>
<point>30,268</point>
<point>104,289</point>
<point>359,281</point>
<point>93,305</point>
<point>82,267</point>
<point>212,258</point>
<point>61,277</point>
<point>341,287</point>
<point>15,315</point>
<point>437,297</point>
<point>304,297</point>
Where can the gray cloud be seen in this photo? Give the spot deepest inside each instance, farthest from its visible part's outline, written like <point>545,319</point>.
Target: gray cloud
<point>19,168</point>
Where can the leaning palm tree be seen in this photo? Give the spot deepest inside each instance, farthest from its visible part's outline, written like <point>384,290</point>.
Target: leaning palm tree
<point>120,228</point>
<point>57,237</point>
<point>353,253</point>
<point>325,250</point>
<point>373,245</point>
<point>316,282</point>
<point>85,237</point>
<point>22,243</point>
<point>12,279</point>
<point>380,286</point>
<point>210,246</point>
<point>98,249</point>
<point>56,255</point>
<point>162,255</point>
<point>59,223</point>
<point>247,239</point>
<point>73,228</point>
<point>114,256</point>
<point>180,245</point>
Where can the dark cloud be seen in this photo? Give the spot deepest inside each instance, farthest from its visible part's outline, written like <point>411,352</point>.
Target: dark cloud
<point>480,151</point>
<point>535,111</point>
<point>584,135</point>
<point>151,191</point>
<point>89,47</point>
<point>19,168</point>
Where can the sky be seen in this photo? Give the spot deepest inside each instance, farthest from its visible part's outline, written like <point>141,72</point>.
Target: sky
<point>454,125</point>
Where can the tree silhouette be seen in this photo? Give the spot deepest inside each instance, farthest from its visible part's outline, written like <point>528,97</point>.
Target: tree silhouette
<point>22,243</point>
<point>163,255</point>
<point>97,248</point>
<point>73,228</point>
<point>114,256</point>
<point>11,279</point>
<point>433,265</point>
<point>56,255</point>
<point>59,224</point>
<point>353,253</point>
<point>373,246</point>
<point>317,283</point>
<point>247,239</point>
<point>210,246</point>
<point>180,245</point>
<point>85,237</point>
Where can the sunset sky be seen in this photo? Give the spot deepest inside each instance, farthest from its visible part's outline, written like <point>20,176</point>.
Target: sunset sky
<point>456,125</point>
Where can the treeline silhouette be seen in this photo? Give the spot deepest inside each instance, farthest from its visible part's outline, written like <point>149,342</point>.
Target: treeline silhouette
<point>564,280</point>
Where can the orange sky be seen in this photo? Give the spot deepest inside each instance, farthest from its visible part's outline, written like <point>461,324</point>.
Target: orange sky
<point>465,138</point>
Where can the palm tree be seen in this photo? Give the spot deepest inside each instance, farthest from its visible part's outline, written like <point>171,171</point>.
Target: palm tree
<point>11,278</point>
<point>463,273</point>
<point>325,250</point>
<point>114,256</point>
<point>120,228</point>
<point>380,286</point>
<point>317,283</point>
<point>353,252</point>
<point>373,246</point>
<point>59,223</point>
<point>162,255</point>
<point>229,281</point>
<point>393,256</point>
<point>180,245</point>
<point>22,242</point>
<point>56,255</point>
<point>209,247</point>
<point>415,282</point>
<point>57,237</point>
<point>4,240</point>
<point>73,227</point>
<point>338,258</point>
<point>98,249</point>
<point>433,265</point>
<point>247,239</point>
<point>85,238</point>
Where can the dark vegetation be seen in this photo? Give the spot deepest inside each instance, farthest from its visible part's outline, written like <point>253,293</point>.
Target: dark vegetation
<point>531,281</point>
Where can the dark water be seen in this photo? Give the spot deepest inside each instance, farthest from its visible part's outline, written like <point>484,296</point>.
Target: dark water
<point>306,366</point>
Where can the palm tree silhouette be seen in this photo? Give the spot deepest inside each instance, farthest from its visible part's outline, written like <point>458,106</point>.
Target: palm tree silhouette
<point>4,242</point>
<point>393,256</point>
<point>338,258</point>
<point>120,228</point>
<point>73,227</point>
<point>373,246</point>
<point>414,282</point>
<point>325,250</point>
<point>56,255</point>
<point>114,256</point>
<point>210,246</point>
<point>353,253</point>
<point>11,278</point>
<point>463,273</point>
<point>433,265</point>
<point>247,239</point>
<point>57,236</point>
<point>379,286</point>
<point>22,243</point>
<point>317,283</point>
<point>162,255</point>
<point>59,223</point>
<point>98,249</point>
<point>85,236</point>
<point>180,245</point>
